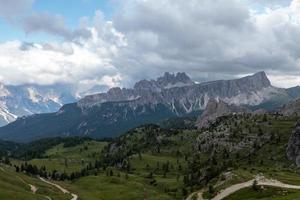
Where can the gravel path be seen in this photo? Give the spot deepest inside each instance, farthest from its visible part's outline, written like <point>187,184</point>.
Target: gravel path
<point>65,191</point>
<point>199,195</point>
<point>33,188</point>
<point>234,188</point>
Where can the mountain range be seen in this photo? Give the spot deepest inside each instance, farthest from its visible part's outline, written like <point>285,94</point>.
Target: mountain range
<point>23,100</point>
<point>149,101</point>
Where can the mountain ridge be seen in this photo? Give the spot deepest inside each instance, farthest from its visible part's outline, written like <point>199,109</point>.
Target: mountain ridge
<point>113,113</point>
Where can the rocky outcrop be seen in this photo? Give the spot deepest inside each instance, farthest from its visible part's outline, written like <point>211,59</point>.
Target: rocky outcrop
<point>294,91</point>
<point>292,108</point>
<point>217,108</point>
<point>293,149</point>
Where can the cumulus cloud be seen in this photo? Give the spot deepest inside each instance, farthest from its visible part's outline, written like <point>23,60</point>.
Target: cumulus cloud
<point>20,12</point>
<point>87,60</point>
<point>208,39</point>
<point>52,24</point>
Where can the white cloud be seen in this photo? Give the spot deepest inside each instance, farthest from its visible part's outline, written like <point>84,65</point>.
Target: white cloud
<point>76,62</point>
<point>207,39</point>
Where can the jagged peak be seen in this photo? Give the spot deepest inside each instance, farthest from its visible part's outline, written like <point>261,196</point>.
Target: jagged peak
<point>258,79</point>
<point>166,81</point>
<point>261,74</point>
<point>172,77</point>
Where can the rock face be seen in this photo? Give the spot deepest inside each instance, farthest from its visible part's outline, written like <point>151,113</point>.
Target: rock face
<point>182,95</point>
<point>292,108</point>
<point>293,149</point>
<point>149,101</point>
<point>294,91</point>
<point>153,91</point>
<point>217,108</point>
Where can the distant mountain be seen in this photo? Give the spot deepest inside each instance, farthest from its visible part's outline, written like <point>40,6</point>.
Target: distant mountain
<point>184,96</point>
<point>149,101</point>
<point>29,99</point>
<point>23,100</point>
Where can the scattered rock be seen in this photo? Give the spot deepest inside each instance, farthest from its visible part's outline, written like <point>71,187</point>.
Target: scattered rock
<point>217,108</point>
<point>293,149</point>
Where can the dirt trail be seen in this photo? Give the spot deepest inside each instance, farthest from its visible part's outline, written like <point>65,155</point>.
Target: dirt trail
<point>33,188</point>
<point>74,196</point>
<point>234,188</point>
<point>198,194</point>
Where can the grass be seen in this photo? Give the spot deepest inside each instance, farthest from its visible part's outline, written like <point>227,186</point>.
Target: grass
<point>268,193</point>
<point>170,181</point>
<point>154,161</point>
<point>149,178</point>
<point>136,186</point>
<point>269,160</point>
<point>104,187</point>
<point>87,150</point>
<point>15,186</point>
<point>70,159</point>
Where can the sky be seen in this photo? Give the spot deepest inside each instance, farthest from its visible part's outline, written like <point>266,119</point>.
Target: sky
<point>118,42</point>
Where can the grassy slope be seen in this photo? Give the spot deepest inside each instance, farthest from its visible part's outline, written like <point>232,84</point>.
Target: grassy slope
<point>270,160</point>
<point>265,194</point>
<point>15,186</point>
<point>104,187</point>
<point>70,159</point>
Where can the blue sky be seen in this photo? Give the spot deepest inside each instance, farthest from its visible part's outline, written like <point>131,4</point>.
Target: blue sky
<point>71,10</point>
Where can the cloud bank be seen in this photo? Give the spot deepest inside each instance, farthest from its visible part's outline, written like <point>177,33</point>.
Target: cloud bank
<point>10,8</point>
<point>207,39</point>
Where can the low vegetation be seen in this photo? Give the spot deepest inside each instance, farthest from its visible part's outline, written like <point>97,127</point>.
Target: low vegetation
<point>162,163</point>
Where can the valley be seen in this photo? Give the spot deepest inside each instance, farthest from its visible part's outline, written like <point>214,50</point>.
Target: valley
<point>155,163</point>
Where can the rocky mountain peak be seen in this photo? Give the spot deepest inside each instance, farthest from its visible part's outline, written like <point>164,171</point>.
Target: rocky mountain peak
<point>257,80</point>
<point>174,79</point>
<point>114,91</point>
<point>168,80</point>
<point>147,85</point>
